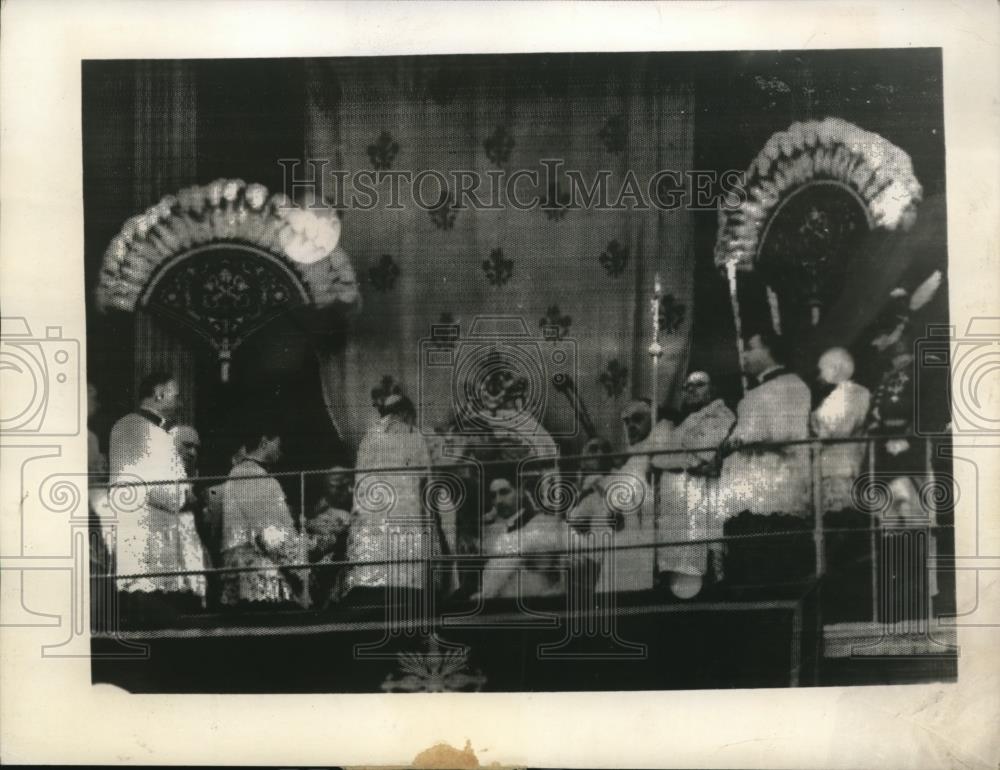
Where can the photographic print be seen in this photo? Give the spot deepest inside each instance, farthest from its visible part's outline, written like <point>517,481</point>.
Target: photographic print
<point>470,384</point>
<point>513,373</point>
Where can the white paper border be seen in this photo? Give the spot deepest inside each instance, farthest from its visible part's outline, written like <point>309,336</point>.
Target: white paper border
<point>48,710</point>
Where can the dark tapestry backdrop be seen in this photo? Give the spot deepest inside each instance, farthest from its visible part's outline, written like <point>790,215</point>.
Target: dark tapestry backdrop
<point>151,128</point>
<point>588,273</point>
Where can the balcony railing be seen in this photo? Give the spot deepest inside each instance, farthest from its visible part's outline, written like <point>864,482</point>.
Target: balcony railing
<point>890,514</point>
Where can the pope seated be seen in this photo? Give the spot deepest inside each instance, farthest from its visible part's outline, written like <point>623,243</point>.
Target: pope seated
<point>524,546</point>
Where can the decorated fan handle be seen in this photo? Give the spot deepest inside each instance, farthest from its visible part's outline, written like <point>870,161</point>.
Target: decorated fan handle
<point>225,359</point>
<point>737,321</point>
<point>655,348</point>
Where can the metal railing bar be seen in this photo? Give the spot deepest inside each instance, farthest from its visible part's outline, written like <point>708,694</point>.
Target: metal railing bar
<point>533,555</point>
<point>540,460</point>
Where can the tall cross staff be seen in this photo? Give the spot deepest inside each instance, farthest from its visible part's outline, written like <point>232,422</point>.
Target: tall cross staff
<point>655,348</point>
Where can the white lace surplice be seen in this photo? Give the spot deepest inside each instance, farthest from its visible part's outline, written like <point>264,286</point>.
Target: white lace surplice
<point>257,531</point>
<point>508,576</point>
<point>192,553</point>
<point>628,496</point>
<point>149,533</point>
<point>841,415</point>
<point>765,481</point>
<point>390,524</point>
<point>689,501</point>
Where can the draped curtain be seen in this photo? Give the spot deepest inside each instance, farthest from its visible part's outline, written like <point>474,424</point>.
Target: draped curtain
<point>165,160</point>
<point>588,272</point>
<point>140,143</point>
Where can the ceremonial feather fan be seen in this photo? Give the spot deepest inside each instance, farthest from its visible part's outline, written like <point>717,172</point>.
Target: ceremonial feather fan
<point>922,295</point>
<point>925,292</point>
<point>228,212</point>
<point>876,172</point>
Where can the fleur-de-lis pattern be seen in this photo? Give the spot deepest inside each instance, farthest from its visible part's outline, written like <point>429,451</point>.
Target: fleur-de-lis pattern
<point>499,146</point>
<point>383,276</point>
<point>613,134</point>
<point>444,212</point>
<point>383,152</point>
<point>672,313</point>
<point>614,378</point>
<point>556,321</point>
<point>498,268</point>
<point>614,258</point>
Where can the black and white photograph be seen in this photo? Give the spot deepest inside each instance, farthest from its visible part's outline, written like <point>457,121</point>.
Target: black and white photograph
<point>470,384</point>
<point>511,373</point>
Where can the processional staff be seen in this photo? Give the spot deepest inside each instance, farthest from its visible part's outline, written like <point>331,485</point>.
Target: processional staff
<point>655,348</point>
<point>737,321</point>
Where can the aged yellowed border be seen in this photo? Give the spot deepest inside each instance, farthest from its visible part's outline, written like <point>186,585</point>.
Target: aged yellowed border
<point>48,710</point>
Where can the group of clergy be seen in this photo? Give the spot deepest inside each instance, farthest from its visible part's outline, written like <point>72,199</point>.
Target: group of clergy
<point>656,517</point>
<point>714,465</point>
